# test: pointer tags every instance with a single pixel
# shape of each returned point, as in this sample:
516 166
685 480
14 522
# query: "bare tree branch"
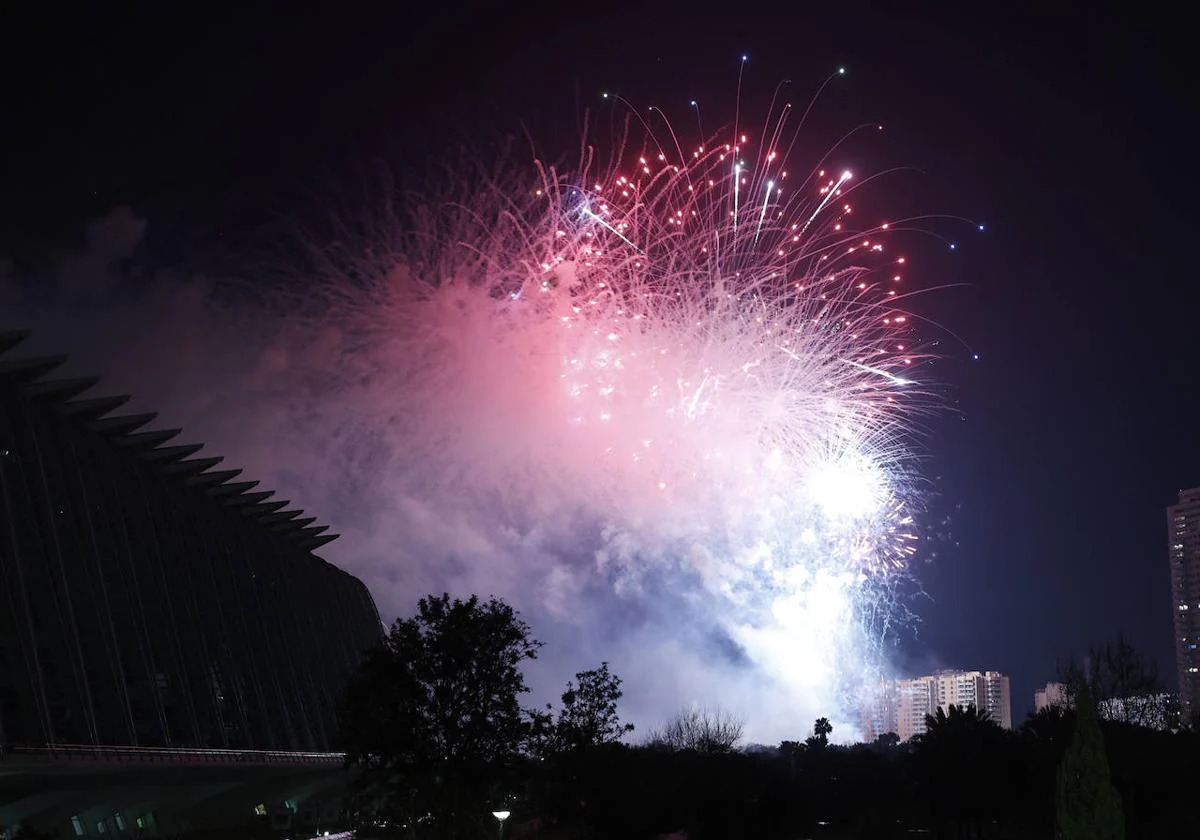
701 729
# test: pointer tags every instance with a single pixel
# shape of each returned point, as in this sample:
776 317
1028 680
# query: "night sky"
1071 136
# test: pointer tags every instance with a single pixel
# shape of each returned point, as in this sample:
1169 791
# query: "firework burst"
686 358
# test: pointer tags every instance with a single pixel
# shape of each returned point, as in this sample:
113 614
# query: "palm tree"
1051 725
957 719
821 732
961 750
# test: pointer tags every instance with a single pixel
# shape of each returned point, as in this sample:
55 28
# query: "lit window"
77 824
102 827
119 819
260 810
1182 607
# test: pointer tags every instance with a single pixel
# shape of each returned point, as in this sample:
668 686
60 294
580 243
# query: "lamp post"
501 816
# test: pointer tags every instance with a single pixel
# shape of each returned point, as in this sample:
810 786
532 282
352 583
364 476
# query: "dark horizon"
1062 446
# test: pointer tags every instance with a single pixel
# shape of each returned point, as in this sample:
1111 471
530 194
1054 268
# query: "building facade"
918 698
881 713
987 691
149 599
910 700
1154 711
1054 695
1183 540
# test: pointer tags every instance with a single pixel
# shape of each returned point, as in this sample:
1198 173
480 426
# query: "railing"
143 755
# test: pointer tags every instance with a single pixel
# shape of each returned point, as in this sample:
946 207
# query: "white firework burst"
687 359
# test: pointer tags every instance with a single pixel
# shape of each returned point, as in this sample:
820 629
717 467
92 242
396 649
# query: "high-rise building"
882 708
148 599
1183 539
997 698
1053 695
987 691
918 698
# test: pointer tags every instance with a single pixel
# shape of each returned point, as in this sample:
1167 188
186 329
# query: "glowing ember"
686 362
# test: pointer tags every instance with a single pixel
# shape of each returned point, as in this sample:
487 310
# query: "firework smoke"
662 401
684 365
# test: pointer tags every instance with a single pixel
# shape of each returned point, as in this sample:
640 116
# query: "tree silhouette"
1088 807
436 710
959 752
589 715
954 720
1122 684
885 741
702 730
574 749
1051 725
822 729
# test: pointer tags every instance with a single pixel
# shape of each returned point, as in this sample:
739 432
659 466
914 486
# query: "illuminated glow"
608 358
847 487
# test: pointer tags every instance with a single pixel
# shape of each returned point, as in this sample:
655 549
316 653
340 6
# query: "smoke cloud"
446 482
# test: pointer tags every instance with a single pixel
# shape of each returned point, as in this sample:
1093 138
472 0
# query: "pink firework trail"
692 361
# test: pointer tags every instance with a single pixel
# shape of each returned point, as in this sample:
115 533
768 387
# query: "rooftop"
128 431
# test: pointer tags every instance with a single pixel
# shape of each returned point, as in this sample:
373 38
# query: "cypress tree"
1088 806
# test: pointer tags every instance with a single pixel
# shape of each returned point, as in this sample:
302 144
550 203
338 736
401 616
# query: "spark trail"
610 359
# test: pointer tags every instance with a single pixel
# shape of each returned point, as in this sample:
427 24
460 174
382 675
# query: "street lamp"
501 816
